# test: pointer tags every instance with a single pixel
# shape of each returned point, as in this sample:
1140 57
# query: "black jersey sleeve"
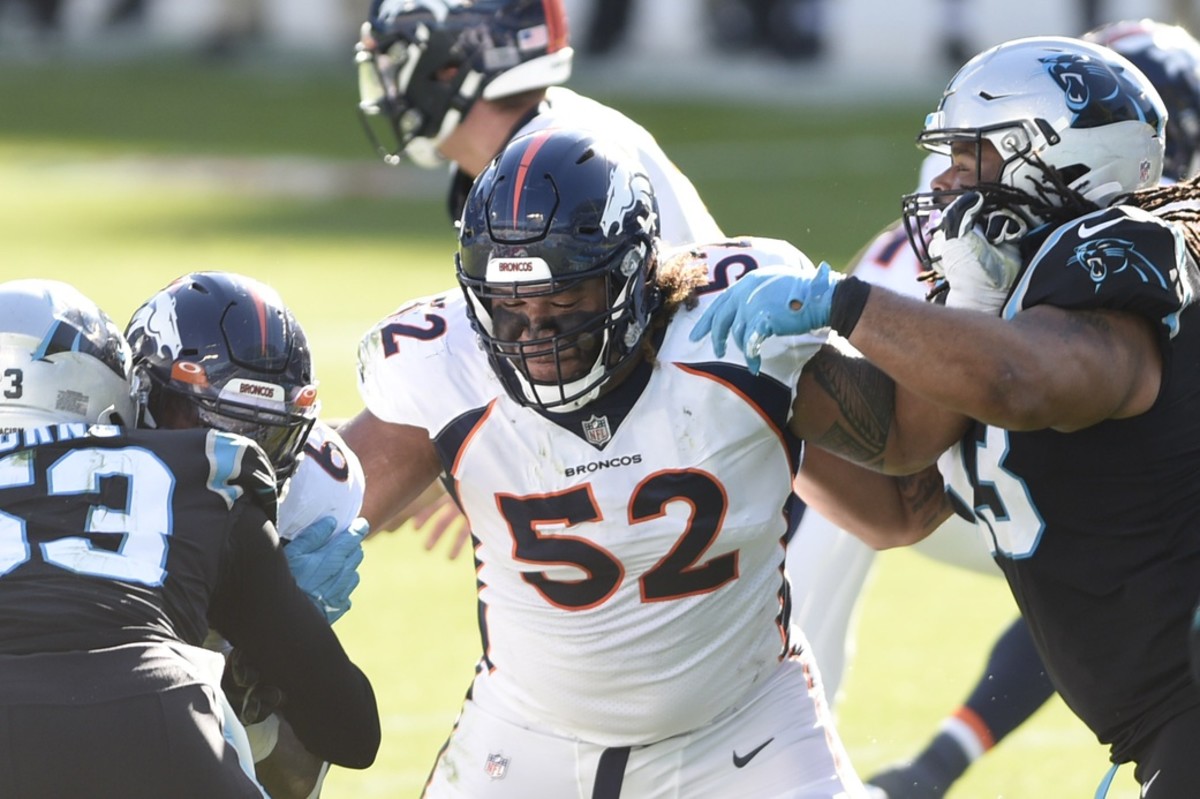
238 466
259 609
1119 258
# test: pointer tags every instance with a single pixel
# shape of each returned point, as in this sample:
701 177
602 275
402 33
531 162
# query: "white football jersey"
682 214
328 481
629 554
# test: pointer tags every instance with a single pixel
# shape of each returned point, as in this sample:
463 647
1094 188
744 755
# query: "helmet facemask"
413 94
607 339
422 64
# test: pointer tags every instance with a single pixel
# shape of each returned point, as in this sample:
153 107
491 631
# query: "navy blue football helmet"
557 209
1170 57
230 350
422 64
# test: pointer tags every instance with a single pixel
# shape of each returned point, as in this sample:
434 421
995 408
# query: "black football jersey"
111 536
1098 530
116 536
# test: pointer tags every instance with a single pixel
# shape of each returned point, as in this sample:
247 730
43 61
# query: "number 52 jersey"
630 553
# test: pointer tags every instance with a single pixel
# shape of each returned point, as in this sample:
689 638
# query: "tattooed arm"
870 450
882 510
847 406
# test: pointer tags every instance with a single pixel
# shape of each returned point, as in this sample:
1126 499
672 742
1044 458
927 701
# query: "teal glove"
325 563
774 301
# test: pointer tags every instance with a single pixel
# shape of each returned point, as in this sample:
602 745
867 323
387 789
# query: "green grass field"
120 177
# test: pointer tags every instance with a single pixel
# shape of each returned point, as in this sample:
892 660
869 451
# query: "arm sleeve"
260 610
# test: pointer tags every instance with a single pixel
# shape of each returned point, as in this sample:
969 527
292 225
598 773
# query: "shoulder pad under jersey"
1119 258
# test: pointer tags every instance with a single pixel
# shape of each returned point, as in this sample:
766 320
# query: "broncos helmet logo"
1097 93
624 197
158 322
1103 258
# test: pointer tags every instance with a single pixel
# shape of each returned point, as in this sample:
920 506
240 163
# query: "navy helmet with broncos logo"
225 349
554 210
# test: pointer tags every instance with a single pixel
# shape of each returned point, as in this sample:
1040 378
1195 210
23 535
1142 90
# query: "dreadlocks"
1178 203
1052 201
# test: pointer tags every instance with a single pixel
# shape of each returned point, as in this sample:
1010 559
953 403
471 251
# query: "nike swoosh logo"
1086 232
740 761
1146 785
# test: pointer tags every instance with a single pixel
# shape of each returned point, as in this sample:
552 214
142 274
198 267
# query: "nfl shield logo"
596 430
495 766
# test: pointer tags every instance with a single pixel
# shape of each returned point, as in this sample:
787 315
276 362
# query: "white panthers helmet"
1079 108
61 358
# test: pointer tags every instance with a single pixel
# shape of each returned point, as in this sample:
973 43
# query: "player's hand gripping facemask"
976 253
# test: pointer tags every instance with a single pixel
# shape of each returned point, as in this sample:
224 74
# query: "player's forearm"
846 405
884 511
1046 367
962 360
399 463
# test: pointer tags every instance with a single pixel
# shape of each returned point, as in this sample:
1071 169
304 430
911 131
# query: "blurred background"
142 139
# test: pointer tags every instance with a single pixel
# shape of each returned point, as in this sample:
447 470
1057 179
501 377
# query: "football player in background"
1008 691
1086 380
445 82
222 351
121 549
626 492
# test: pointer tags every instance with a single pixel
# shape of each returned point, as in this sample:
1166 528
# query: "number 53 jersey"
629 554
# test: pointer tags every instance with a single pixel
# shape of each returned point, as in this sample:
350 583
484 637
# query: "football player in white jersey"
451 82
626 491
221 350
476 75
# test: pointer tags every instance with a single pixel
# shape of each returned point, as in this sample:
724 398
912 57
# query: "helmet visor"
280 437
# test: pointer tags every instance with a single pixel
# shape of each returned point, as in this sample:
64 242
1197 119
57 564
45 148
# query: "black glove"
251 699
